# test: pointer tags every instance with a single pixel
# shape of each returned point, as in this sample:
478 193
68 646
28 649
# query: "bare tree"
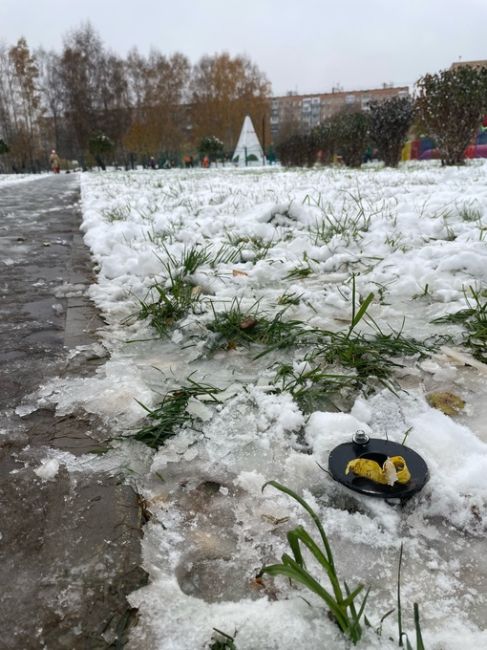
146 106
115 111
20 107
80 69
223 91
6 96
157 86
53 130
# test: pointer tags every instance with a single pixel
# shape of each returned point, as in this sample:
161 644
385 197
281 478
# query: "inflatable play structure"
425 148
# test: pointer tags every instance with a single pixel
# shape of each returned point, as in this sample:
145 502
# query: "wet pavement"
69 546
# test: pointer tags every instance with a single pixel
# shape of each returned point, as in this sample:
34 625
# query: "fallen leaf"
446 402
248 323
274 520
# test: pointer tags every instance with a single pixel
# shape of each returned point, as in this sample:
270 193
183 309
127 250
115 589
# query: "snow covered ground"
290 240
13 179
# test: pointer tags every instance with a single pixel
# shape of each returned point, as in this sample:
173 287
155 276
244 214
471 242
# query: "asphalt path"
69 547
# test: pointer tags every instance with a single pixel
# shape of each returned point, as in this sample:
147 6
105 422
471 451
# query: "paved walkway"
69 550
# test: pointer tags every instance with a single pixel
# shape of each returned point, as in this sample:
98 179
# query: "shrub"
100 146
296 150
449 108
324 140
350 132
212 147
345 133
389 122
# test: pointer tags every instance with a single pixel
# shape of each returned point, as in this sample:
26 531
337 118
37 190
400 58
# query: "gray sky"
303 45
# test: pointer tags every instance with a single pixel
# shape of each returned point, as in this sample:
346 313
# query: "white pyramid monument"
248 146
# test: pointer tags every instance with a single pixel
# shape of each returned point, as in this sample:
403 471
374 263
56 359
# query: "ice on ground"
48 469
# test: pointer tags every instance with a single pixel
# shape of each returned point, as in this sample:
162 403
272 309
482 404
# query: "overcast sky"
301 45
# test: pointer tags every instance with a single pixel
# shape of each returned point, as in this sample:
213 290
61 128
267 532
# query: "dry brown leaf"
446 402
248 323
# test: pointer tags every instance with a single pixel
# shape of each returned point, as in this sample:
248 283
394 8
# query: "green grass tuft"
172 303
313 387
474 320
258 246
350 224
237 327
117 213
291 298
369 355
226 254
341 601
469 212
175 294
171 413
299 273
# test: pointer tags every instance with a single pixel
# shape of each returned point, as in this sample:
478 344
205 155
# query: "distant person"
152 162
206 162
54 162
367 155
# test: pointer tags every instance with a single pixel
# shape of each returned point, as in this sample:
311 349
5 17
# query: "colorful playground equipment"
424 148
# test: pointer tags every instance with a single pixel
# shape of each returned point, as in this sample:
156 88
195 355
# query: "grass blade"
291 569
399 611
419 637
311 513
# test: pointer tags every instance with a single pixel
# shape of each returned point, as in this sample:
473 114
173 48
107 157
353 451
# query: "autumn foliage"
148 106
160 106
223 90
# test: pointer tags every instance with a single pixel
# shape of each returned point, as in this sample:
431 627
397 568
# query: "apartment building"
303 112
477 65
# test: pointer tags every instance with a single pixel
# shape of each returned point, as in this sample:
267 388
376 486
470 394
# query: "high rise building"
293 112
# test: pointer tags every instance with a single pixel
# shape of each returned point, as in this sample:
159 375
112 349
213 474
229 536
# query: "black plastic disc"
379 450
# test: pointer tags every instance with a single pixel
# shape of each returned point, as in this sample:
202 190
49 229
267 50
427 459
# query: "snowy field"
288 246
